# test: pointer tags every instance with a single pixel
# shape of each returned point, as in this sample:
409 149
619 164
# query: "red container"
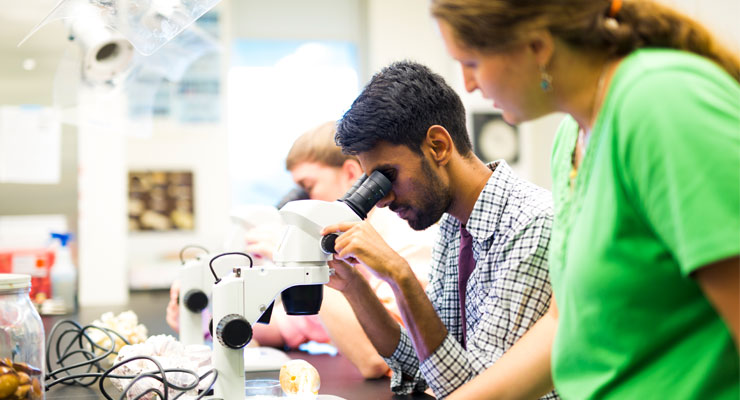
34 262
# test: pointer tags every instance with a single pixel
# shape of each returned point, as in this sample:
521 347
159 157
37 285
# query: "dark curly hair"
398 106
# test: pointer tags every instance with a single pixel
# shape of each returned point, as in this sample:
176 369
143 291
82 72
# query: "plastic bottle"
64 275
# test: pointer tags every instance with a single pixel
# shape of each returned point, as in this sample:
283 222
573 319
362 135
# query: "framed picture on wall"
160 201
494 139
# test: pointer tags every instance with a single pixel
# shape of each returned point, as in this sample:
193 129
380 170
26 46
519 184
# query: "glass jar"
21 341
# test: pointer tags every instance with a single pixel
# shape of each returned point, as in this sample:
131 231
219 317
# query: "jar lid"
14 281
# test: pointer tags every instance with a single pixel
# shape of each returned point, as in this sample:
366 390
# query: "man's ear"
439 144
352 169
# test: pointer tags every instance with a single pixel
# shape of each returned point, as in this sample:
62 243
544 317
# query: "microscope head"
302 243
243 297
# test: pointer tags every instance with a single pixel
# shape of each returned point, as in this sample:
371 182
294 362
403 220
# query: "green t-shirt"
657 197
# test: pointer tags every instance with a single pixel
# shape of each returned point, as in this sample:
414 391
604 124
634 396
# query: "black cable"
160 375
210 385
136 378
86 349
191 246
210 264
93 370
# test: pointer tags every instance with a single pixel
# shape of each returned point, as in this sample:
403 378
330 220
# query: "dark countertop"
338 376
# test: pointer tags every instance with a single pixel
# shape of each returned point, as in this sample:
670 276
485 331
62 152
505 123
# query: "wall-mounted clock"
494 139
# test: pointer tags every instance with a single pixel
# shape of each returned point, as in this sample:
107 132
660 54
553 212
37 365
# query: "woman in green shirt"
644 254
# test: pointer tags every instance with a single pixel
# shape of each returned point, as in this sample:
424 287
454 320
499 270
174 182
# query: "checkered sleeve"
447 368
523 289
404 364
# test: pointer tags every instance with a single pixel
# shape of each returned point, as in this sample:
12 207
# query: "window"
276 91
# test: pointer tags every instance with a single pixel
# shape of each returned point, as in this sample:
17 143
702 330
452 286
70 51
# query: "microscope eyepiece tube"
366 192
354 187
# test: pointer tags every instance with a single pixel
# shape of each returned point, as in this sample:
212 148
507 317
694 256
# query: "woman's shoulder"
668 87
656 60
650 74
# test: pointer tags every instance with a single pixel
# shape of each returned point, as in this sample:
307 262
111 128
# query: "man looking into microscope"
318 165
489 281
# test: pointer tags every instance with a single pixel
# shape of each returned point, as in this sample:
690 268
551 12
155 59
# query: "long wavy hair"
494 25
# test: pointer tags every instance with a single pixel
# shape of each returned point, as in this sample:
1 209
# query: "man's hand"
360 243
173 308
343 276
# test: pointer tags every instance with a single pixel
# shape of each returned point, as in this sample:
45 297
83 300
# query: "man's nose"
386 201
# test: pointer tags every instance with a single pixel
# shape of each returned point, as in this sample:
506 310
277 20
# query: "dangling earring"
545 80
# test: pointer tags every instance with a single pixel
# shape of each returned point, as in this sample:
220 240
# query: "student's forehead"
309 173
370 164
385 155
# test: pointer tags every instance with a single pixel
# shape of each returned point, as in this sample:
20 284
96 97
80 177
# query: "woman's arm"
269 335
172 315
349 337
524 370
720 282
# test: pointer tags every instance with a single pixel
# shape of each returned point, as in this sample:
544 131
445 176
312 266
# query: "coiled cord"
74 342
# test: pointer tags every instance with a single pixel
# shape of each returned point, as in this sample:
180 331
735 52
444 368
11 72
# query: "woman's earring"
545 80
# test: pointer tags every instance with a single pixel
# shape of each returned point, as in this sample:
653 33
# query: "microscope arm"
244 295
240 298
238 302
249 291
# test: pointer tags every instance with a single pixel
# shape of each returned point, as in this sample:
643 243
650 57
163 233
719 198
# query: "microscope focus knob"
195 300
327 243
234 331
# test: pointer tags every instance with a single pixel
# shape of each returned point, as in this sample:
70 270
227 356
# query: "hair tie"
614 8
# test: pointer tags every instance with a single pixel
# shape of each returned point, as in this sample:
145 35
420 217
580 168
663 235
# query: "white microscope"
196 280
241 298
195 290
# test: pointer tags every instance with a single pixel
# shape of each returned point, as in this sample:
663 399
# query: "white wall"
153 256
101 256
399 30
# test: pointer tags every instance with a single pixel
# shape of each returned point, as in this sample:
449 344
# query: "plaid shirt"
508 291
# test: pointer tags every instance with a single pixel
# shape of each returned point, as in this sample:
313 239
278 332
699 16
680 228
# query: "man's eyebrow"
382 167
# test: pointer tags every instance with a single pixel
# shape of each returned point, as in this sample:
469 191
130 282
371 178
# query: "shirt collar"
489 207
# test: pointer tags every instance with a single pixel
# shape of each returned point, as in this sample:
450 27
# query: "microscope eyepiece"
354 187
361 198
366 192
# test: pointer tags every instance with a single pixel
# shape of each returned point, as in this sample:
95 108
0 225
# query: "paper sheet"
30 145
